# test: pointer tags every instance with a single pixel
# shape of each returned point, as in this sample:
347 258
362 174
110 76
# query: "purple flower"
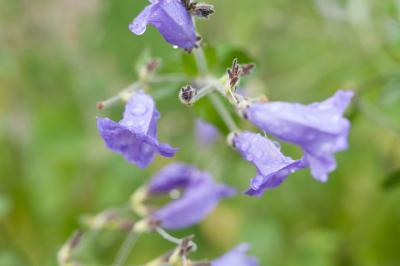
206 133
236 257
135 136
272 166
319 128
201 195
171 18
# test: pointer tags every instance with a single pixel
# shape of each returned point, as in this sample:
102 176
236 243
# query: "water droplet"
139 109
259 154
129 123
277 145
175 46
244 146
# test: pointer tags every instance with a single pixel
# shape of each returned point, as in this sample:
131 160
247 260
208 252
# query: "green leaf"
392 180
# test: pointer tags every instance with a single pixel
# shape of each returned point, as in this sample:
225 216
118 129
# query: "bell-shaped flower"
272 166
236 257
171 18
199 197
135 136
319 128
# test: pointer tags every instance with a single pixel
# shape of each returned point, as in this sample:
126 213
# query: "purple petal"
172 20
194 205
319 128
272 166
206 133
200 197
135 136
236 257
176 175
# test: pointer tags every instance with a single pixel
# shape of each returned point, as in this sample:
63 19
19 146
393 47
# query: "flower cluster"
319 129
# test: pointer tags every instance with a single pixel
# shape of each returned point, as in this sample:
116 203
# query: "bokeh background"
58 58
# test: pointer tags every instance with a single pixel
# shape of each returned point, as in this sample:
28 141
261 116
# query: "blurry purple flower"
206 133
176 175
319 128
201 195
236 257
135 136
272 166
171 18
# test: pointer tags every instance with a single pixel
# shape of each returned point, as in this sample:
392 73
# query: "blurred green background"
58 58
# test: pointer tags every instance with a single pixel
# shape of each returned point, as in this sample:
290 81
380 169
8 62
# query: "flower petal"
272 166
236 257
194 205
135 136
172 20
319 128
176 175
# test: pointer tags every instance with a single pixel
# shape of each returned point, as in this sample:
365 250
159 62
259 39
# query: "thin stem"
202 92
167 236
136 86
200 61
111 101
164 234
126 247
225 115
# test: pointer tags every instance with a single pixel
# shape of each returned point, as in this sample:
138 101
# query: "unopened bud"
186 94
201 10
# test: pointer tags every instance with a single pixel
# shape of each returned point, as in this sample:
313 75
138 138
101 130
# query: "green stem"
201 61
126 247
225 115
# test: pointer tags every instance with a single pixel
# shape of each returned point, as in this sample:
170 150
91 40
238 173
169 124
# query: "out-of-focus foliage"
58 58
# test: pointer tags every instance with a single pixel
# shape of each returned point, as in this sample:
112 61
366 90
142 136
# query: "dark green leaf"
392 180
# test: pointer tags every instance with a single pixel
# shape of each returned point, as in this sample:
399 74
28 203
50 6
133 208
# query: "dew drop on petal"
277 145
139 109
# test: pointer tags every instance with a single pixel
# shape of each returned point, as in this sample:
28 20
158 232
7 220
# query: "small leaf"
392 180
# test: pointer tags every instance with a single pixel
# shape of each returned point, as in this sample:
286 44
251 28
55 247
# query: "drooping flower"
206 133
171 18
135 136
200 196
236 257
319 128
272 166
